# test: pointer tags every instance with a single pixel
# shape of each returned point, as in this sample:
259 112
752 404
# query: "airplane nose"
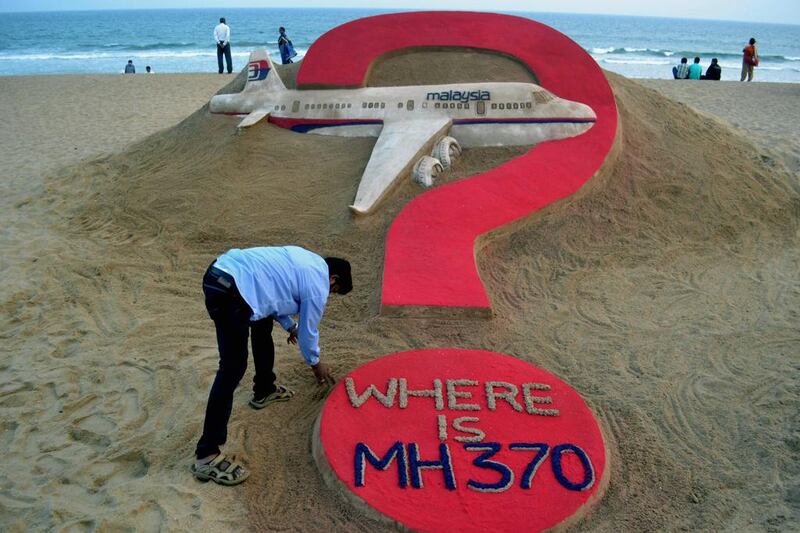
582 110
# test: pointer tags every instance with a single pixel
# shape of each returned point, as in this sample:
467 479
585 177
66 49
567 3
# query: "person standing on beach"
749 60
695 71
681 72
245 290
222 36
129 68
285 46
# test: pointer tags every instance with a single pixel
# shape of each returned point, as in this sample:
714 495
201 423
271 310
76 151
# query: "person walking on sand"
129 68
222 36
749 60
245 290
285 47
695 71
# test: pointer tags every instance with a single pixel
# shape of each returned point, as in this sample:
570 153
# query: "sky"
781 11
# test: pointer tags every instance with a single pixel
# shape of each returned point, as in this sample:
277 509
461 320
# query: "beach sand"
665 292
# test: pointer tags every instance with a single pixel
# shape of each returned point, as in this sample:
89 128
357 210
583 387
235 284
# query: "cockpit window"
542 96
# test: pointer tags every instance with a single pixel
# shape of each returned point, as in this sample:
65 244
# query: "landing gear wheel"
426 169
446 150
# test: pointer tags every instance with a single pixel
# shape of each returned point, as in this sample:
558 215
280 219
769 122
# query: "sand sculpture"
408 121
419 279
432 440
461 440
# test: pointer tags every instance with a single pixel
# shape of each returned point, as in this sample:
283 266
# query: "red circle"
564 481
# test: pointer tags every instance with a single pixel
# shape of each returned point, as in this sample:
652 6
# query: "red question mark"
430 260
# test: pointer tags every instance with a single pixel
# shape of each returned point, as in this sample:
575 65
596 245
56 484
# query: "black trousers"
231 316
226 50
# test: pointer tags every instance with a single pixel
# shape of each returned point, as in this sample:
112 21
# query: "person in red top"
749 60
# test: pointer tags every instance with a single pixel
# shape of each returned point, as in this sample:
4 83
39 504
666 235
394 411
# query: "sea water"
172 40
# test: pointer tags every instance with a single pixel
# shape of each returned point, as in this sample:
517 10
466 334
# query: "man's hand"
292 335
323 374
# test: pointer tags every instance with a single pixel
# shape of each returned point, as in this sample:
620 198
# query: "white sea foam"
148 54
635 61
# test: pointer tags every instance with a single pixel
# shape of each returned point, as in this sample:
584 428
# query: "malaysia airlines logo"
257 70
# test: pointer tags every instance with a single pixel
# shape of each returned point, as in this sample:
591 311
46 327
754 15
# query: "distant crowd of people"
685 71
222 38
131 69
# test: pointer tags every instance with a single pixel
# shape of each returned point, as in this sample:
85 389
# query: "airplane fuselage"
482 114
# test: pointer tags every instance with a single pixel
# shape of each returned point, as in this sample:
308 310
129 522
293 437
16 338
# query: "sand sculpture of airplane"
408 121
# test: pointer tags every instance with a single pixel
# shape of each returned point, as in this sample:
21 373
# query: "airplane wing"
399 146
252 118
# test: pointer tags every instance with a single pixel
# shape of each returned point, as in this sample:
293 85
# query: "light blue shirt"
695 71
281 282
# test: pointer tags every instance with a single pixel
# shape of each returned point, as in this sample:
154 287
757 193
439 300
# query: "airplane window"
400 105
383 105
459 106
453 105
371 105
516 105
528 105
437 105
283 107
295 106
307 106
410 105
425 105
494 106
363 104
502 106
480 108
277 107
466 106
337 106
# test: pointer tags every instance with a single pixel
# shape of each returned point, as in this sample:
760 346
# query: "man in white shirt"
222 36
245 290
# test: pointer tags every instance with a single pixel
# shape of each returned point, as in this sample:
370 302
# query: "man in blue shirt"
245 290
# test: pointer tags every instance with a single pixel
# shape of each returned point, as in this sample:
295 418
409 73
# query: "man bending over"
245 290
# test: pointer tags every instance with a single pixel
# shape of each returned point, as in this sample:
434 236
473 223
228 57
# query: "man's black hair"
752 40
714 61
696 59
341 268
684 60
222 20
281 29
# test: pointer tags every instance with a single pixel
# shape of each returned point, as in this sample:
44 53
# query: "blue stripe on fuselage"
305 128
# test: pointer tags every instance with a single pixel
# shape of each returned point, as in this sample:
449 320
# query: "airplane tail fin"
261 73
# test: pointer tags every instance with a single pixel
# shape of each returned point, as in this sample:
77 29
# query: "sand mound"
665 292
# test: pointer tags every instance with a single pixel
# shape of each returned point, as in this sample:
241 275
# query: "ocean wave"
656 52
634 61
732 65
151 46
119 55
